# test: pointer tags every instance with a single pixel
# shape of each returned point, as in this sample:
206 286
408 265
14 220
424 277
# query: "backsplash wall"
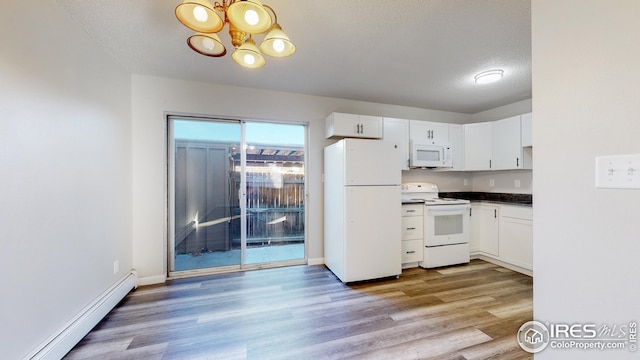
480 181
447 181
503 181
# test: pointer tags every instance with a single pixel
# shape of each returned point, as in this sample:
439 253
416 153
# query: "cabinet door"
525 123
516 242
353 125
475 228
371 127
477 146
506 148
456 139
397 131
485 226
429 132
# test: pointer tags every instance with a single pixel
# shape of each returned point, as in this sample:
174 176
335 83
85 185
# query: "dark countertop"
414 202
502 198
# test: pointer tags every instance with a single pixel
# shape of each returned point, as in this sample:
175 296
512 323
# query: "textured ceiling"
420 53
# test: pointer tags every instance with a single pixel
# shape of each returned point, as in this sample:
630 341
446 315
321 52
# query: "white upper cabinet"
506 146
427 132
341 125
456 139
495 145
525 122
397 131
478 146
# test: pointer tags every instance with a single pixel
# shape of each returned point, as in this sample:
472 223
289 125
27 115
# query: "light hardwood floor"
461 312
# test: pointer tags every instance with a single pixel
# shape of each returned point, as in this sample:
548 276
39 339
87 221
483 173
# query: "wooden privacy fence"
207 188
275 208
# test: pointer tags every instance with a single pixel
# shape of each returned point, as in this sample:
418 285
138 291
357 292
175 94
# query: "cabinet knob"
411 252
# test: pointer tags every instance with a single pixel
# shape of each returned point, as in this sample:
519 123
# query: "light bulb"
251 17
278 45
200 13
208 43
249 59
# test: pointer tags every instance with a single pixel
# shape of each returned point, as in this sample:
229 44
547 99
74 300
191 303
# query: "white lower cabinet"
502 233
412 251
412 233
516 236
484 229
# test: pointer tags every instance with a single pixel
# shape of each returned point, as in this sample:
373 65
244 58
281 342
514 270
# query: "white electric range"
446 225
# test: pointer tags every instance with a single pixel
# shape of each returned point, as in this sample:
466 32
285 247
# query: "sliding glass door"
236 194
275 192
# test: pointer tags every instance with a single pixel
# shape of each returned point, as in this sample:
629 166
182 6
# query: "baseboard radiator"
72 332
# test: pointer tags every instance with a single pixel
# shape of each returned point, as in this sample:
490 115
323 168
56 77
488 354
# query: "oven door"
446 224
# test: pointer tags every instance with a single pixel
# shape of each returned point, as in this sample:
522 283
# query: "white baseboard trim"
503 264
63 340
152 280
315 261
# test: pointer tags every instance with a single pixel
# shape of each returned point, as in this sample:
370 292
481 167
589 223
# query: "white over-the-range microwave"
429 155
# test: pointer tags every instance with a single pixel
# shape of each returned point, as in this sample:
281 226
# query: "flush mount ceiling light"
490 76
245 17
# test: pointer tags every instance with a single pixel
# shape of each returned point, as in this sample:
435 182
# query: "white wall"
65 173
585 101
502 112
153 96
503 181
479 181
446 180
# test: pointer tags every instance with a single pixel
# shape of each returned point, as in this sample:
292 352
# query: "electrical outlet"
116 266
492 183
466 182
516 184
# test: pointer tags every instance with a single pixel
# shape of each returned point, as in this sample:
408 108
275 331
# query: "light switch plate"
618 172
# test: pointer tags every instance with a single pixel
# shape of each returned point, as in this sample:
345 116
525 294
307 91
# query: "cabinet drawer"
411 251
412 210
412 227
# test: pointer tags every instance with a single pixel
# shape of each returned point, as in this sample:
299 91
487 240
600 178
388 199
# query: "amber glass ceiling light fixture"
245 18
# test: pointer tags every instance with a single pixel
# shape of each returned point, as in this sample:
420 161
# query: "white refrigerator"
362 209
